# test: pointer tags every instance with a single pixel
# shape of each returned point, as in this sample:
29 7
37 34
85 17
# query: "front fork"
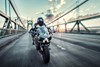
42 47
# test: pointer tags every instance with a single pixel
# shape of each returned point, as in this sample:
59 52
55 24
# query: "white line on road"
61 47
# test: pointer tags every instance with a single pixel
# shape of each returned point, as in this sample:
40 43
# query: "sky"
32 9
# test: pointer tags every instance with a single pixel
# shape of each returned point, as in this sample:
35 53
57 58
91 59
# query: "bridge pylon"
29 23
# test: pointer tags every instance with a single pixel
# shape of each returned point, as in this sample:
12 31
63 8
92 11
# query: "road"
67 50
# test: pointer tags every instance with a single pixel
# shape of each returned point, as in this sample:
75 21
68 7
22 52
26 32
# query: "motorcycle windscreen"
43 32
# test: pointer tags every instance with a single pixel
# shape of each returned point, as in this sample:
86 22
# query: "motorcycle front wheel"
46 54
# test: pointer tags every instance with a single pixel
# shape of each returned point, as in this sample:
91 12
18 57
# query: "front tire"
46 54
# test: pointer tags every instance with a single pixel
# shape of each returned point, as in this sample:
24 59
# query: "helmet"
40 21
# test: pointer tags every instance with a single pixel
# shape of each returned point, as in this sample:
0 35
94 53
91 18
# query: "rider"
40 23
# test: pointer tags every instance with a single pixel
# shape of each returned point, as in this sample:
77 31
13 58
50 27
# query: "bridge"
75 46
78 21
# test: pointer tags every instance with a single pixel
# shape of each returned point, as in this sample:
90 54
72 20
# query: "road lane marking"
61 47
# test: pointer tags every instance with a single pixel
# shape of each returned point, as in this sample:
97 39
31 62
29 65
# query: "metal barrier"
76 21
9 29
75 28
9 32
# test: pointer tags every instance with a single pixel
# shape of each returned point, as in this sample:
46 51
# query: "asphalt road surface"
67 50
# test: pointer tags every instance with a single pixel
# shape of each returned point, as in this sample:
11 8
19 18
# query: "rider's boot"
33 41
38 46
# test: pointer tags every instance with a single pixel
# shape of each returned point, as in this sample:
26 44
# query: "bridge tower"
7 24
29 23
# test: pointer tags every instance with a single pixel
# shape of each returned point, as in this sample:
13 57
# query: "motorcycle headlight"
45 40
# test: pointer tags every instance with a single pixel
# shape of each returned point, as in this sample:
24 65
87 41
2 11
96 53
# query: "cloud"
50 0
93 6
57 6
23 17
62 2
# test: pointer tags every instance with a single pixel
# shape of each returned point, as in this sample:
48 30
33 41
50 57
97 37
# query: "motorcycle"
42 43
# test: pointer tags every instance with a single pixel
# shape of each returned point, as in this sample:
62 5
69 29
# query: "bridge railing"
8 26
69 22
9 32
75 27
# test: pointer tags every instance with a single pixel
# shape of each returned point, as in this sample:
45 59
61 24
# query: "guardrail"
78 21
7 30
